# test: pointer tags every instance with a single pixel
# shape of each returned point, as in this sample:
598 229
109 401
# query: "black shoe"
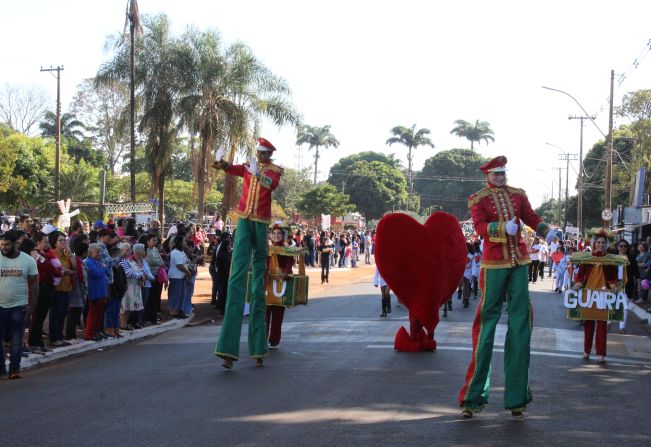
517 414
383 314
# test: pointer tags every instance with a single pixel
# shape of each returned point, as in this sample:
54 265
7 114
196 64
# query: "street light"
579 207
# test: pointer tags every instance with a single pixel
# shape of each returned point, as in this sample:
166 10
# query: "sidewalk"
82 346
642 311
204 312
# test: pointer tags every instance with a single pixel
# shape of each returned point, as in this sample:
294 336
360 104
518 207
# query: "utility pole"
579 206
559 195
57 158
609 157
566 158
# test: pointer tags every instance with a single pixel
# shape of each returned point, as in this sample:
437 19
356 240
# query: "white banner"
325 221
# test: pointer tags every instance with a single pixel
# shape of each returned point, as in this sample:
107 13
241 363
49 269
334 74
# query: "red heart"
422 264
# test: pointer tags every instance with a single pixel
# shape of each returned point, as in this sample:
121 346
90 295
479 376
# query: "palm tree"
158 77
316 137
412 138
69 126
478 132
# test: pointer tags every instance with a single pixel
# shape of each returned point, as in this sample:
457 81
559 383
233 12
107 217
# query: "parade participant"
384 290
283 270
561 262
496 213
597 271
260 178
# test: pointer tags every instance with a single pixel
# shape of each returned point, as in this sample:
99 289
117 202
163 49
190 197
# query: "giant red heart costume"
423 265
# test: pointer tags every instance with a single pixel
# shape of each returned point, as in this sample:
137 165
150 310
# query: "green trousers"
495 285
250 247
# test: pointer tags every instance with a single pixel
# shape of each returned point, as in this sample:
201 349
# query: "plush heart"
422 264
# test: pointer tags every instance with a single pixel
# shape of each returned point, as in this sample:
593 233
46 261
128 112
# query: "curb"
639 312
86 346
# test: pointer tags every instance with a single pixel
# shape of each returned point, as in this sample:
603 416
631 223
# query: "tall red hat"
497 164
265 145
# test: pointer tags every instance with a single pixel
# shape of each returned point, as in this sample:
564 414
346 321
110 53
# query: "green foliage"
316 137
375 187
339 171
292 185
435 187
412 138
548 211
324 199
478 132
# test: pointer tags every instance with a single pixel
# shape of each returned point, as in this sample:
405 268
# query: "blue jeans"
175 294
113 313
187 297
145 302
12 319
58 311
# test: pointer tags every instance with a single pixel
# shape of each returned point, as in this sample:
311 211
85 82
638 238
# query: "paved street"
334 380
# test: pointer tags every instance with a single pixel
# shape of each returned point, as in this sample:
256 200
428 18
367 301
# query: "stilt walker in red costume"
496 214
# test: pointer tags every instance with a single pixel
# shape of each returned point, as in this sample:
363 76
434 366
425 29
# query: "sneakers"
601 359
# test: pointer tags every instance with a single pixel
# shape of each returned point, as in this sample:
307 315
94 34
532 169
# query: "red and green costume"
250 248
503 273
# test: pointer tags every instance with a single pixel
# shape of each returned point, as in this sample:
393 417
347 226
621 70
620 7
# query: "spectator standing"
177 274
326 250
77 293
155 262
49 276
223 269
98 291
641 260
534 253
60 302
133 270
18 287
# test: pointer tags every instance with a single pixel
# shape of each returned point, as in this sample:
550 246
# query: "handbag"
161 276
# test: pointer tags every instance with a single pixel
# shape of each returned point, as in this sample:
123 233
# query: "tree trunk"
230 186
316 162
201 177
410 178
472 145
161 202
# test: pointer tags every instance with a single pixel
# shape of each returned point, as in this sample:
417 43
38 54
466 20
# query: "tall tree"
315 138
71 127
478 132
158 80
254 93
135 30
448 178
103 108
22 107
412 138
375 188
324 199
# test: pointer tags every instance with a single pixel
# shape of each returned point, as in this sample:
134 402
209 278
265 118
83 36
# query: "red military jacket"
491 208
255 202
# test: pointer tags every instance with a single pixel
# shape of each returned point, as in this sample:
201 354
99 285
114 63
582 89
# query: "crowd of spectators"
91 283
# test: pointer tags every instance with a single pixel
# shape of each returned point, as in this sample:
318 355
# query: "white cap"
48 228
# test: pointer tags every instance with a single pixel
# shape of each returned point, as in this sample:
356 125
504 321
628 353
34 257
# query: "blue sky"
366 66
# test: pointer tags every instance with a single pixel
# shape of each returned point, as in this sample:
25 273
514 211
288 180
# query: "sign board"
325 221
572 230
588 304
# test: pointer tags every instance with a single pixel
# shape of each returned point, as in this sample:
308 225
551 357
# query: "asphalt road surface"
334 381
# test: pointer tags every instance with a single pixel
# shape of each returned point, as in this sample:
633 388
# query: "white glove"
219 156
551 234
253 166
511 227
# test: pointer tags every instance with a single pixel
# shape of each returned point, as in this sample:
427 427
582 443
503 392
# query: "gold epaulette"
513 190
476 197
273 167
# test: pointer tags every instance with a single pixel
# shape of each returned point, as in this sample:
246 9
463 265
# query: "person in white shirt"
534 255
542 259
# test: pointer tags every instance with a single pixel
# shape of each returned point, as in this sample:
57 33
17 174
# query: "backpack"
120 284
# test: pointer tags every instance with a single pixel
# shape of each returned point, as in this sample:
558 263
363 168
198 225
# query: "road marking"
610 360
